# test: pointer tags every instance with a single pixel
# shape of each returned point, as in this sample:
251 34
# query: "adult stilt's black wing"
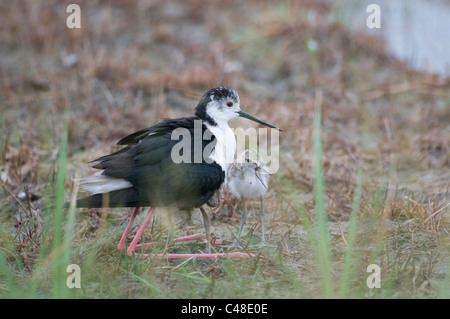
146 163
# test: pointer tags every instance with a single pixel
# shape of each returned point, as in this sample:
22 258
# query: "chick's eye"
230 104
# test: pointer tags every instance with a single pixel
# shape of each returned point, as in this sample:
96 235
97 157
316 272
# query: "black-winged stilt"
148 171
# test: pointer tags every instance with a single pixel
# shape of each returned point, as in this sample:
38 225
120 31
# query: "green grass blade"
8 284
323 237
348 264
60 261
152 287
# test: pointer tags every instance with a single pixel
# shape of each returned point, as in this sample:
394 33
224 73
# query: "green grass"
51 263
60 250
322 244
350 265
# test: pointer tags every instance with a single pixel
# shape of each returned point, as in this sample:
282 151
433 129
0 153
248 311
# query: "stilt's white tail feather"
99 183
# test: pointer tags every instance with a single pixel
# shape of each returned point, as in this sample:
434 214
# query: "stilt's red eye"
230 104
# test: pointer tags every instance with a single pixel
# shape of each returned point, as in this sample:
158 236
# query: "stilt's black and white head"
221 104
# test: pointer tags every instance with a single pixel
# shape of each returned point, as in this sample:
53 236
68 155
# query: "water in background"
415 31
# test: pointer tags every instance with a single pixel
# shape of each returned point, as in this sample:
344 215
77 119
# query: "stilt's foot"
216 241
262 244
234 245
237 244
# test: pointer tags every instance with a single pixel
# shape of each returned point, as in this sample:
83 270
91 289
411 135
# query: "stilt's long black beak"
248 116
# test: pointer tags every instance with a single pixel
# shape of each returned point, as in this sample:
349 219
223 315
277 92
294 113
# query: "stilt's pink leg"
140 231
121 245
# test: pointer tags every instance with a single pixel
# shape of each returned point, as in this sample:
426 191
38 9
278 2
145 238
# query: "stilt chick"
248 178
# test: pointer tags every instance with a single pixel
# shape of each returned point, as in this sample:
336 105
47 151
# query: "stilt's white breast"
225 149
